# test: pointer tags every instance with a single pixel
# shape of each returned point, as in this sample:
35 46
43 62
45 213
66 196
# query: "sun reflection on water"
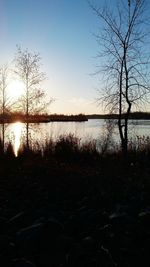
17 131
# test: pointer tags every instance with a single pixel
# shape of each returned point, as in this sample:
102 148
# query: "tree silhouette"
27 68
5 101
125 60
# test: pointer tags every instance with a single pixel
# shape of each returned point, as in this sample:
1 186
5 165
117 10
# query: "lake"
88 130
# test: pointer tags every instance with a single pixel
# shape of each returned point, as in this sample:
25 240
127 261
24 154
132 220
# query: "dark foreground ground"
84 211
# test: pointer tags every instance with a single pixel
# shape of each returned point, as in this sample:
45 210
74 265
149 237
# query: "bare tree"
125 58
5 100
27 68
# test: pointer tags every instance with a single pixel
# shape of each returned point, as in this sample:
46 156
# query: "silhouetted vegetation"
37 118
69 202
18 116
138 115
27 69
6 103
66 199
124 61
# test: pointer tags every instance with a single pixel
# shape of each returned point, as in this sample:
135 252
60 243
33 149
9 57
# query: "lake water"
89 130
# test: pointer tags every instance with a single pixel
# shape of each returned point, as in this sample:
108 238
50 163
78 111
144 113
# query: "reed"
70 146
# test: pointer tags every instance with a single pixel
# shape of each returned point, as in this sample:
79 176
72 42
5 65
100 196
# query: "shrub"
67 145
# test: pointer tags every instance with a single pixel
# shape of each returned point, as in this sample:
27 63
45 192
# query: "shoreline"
42 118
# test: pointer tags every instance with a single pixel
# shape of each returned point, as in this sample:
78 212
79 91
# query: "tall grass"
70 146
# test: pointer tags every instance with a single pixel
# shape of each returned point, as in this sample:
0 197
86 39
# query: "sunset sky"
62 31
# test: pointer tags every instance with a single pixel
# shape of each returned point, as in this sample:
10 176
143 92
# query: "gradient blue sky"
62 31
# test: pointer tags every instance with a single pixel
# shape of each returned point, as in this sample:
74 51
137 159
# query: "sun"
16 88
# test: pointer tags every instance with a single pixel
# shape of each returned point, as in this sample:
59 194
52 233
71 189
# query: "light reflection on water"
17 129
39 133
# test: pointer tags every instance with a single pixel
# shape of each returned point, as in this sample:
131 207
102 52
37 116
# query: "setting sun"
16 88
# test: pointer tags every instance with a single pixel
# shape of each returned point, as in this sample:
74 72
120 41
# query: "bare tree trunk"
120 125
27 96
3 136
126 97
27 115
27 135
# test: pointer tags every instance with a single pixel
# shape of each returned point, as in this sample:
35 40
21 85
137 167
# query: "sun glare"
16 88
17 130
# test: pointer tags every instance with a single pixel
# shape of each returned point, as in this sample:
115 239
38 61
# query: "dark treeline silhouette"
139 115
17 116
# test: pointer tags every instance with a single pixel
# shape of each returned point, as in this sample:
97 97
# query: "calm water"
92 129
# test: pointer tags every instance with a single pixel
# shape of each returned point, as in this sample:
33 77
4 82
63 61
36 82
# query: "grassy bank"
68 205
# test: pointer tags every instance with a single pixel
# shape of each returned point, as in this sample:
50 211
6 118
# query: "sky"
62 31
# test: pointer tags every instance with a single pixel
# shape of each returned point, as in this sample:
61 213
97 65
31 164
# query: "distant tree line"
139 115
36 118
